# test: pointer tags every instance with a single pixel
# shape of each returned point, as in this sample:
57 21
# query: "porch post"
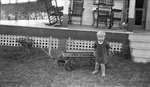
131 15
0 9
132 8
65 13
16 12
148 16
125 11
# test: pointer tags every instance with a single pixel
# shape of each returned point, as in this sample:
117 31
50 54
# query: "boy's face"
100 39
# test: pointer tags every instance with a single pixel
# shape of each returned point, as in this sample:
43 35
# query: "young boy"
101 53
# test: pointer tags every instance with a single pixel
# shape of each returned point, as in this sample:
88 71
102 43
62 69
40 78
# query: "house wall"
88 6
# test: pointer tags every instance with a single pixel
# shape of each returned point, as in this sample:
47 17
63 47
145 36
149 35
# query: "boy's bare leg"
96 70
103 70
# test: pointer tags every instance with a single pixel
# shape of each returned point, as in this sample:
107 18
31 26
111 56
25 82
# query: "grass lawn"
21 69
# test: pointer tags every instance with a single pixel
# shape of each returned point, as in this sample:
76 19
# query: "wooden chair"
54 12
103 17
76 10
117 16
104 9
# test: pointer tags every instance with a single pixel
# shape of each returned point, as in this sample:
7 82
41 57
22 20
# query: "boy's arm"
107 48
107 45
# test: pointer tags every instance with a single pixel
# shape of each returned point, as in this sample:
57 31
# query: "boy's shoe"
95 72
103 75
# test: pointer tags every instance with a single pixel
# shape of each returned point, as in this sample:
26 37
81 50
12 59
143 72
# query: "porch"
76 27
38 70
139 40
79 33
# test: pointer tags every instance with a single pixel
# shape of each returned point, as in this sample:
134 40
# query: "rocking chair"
54 12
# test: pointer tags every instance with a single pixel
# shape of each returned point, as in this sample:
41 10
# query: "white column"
87 13
132 9
66 6
65 12
148 16
0 9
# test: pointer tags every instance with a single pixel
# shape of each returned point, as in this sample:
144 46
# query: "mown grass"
35 69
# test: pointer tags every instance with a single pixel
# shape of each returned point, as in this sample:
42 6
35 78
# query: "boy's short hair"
100 33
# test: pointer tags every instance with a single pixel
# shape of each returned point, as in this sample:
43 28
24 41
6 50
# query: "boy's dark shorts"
103 59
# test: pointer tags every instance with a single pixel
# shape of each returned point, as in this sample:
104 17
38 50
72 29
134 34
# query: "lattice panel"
9 40
80 45
39 42
42 42
115 47
54 43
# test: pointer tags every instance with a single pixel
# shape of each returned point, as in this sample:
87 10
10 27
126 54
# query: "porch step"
140 37
141 60
141 53
140 47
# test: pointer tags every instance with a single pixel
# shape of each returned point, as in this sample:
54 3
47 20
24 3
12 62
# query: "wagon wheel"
60 62
68 65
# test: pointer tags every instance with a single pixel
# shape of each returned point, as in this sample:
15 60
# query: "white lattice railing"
53 43
39 42
87 46
115 47
79 45
42 42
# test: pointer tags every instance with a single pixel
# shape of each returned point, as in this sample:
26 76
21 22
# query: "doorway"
140 14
